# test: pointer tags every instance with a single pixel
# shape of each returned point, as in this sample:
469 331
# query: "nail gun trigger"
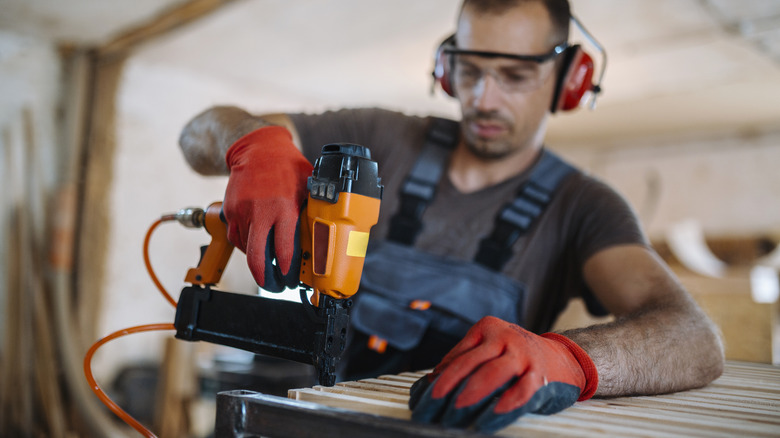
311 312
203 250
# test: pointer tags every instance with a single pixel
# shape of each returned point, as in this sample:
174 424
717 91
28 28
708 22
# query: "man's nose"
487 94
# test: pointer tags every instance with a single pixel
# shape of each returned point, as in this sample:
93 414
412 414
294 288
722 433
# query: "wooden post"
176 390
93 174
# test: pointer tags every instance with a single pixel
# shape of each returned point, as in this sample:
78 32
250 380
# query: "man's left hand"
499 372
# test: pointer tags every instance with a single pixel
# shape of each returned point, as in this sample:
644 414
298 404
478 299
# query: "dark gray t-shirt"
584 217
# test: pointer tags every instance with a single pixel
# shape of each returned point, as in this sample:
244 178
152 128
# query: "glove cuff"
586 363
265 135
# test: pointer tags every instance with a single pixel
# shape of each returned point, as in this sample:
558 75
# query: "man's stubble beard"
483 151
488 150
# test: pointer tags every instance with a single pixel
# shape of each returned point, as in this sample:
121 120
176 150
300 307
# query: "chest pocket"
405 292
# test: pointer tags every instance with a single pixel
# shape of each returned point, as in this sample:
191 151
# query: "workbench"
744 401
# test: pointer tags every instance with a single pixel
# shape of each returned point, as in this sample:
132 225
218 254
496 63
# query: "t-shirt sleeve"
607 220
598 217
375 128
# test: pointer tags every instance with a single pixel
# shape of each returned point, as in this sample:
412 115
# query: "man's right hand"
263 200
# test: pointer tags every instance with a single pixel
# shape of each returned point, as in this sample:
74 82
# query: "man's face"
496 122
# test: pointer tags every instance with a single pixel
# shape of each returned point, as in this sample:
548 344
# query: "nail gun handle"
215 257
335 237
345 193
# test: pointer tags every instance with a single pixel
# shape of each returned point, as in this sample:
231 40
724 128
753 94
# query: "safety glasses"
518 74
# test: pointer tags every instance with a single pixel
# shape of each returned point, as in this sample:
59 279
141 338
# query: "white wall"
728 182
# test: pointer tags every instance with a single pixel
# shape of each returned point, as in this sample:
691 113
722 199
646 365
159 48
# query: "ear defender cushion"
443 64
575 80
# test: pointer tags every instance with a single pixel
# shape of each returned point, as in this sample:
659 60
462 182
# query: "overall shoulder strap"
419 187
517 217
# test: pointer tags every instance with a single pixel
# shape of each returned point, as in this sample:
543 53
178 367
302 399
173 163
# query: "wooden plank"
376 395
355 402
686 410
675 420
16 400
386 381
401 378
372 385
46 369
583 424
745 401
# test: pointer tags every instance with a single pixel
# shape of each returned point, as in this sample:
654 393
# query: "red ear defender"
575 80
441 68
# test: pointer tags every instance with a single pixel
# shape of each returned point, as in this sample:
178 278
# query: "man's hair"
559 11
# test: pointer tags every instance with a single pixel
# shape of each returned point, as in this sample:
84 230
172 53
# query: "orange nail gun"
343 204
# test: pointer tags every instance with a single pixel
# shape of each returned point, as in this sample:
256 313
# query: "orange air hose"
148 237
96 388
137 329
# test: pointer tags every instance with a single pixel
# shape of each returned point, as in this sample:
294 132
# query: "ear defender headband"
574 81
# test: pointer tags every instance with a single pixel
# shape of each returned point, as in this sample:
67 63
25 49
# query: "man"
586 242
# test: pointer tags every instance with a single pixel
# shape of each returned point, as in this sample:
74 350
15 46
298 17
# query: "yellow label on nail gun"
357 244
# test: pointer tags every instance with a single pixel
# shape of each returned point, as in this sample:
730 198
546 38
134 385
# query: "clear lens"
512 75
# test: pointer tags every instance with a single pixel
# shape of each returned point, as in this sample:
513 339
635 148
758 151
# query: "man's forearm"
207 137
661 349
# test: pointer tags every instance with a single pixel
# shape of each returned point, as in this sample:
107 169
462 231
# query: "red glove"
499 372
263 200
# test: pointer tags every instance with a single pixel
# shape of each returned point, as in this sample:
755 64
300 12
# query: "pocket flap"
401 327
464 289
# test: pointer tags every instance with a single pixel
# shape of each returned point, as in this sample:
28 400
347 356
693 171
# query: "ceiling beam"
169 20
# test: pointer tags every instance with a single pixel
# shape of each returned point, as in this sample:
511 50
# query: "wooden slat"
377 395
356 402
745 401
